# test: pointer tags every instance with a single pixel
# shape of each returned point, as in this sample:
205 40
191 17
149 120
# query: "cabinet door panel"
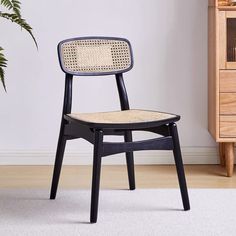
227 81
227 40
227 126
227 103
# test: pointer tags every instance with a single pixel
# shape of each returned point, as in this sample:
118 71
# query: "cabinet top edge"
222 7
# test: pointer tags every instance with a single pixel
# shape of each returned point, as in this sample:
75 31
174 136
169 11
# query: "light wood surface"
228 81
231 14
227 126
222 154
213 2
221 5
230 65
227 118
222 40
213 84
227 8
227 103
229 158
115 177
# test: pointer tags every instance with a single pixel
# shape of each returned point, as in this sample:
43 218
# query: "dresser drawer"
227 126
227 81
228 103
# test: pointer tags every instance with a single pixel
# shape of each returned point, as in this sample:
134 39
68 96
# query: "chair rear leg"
97 156
179 166
130 162
58 162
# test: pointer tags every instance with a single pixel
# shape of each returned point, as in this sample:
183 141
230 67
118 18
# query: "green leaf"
7 4
3 63
16 7
14 14
12 5
20 21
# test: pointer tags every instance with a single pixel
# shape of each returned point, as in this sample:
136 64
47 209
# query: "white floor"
121 212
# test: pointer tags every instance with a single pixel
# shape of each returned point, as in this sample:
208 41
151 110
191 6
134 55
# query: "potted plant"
13 13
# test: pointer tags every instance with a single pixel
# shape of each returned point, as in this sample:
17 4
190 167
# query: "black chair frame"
93 133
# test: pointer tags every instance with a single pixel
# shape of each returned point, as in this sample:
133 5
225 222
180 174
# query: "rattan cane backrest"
95 56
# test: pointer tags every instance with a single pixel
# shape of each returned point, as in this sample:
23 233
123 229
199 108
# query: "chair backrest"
95 56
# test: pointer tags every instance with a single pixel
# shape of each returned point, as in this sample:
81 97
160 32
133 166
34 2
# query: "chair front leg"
58 161
97 156
130 162
179 166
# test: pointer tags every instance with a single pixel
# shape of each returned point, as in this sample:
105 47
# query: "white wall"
169 41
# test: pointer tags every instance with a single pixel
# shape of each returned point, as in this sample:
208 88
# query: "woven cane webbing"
81 56
122 117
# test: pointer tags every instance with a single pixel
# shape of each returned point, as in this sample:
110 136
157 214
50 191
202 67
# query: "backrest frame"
101 73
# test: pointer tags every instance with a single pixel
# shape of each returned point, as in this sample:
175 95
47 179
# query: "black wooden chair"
97 56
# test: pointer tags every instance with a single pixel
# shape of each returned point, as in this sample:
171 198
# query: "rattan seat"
122 118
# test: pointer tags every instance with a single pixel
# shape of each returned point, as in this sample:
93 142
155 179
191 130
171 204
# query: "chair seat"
122 118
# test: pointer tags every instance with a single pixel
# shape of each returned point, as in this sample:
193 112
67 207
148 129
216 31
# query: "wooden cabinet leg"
229 158
222 154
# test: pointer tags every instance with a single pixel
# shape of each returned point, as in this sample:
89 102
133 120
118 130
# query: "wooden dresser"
222 79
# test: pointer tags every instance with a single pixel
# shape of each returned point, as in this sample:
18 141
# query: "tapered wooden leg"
222 153
130 162
58 162
97 156
229 158
179 167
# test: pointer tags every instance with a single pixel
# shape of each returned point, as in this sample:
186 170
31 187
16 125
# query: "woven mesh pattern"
95 56
122 117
